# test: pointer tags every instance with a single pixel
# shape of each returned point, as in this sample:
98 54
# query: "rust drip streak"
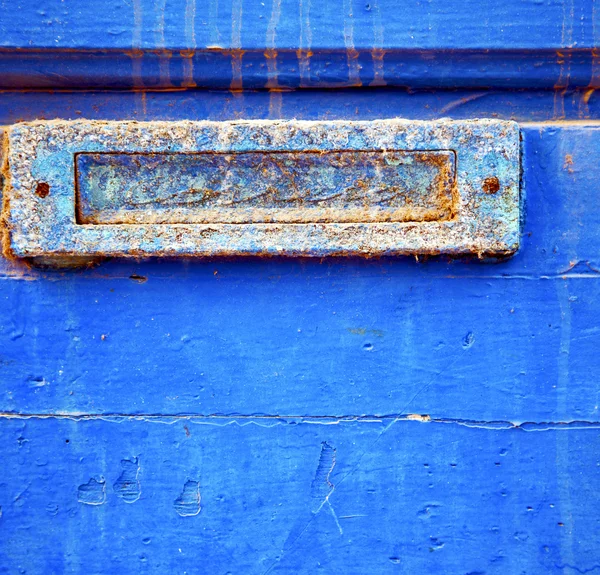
236 70
378 53
188 69
564 60
378 77
236 52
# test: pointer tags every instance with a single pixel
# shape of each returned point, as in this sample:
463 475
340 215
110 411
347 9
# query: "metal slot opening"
341 186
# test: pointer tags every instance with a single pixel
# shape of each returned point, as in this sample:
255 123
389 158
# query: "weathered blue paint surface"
278 70
286 44
467 343
446 411
230 24
117 495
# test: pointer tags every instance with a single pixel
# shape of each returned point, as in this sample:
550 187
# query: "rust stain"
564 60
272 78
4 186
42 189
568 165
308 186
236 70
587 95
188 68
377 56
584 110
560 87
491 185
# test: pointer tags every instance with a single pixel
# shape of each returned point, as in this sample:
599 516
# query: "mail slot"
262 187
265 187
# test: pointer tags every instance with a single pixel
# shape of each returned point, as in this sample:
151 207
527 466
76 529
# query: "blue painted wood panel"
287 24
302 339
292 416
510 341
157 495
279 70
286 44
573 105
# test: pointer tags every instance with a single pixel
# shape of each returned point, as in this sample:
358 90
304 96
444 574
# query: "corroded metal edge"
4 185
43 224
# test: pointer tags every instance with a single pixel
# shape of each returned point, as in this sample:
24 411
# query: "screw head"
491 185
42 189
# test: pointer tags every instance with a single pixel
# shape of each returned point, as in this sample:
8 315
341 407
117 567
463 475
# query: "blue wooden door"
310 415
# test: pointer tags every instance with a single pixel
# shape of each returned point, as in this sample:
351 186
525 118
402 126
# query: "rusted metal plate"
261 187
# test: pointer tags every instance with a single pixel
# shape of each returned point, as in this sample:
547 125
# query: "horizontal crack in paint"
324 420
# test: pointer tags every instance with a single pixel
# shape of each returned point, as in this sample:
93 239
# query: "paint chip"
188 503
128 486
321 486
93 492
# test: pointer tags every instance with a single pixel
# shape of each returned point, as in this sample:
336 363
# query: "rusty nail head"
491 185
42 189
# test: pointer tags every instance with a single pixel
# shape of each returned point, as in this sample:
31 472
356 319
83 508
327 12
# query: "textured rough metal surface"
40 199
